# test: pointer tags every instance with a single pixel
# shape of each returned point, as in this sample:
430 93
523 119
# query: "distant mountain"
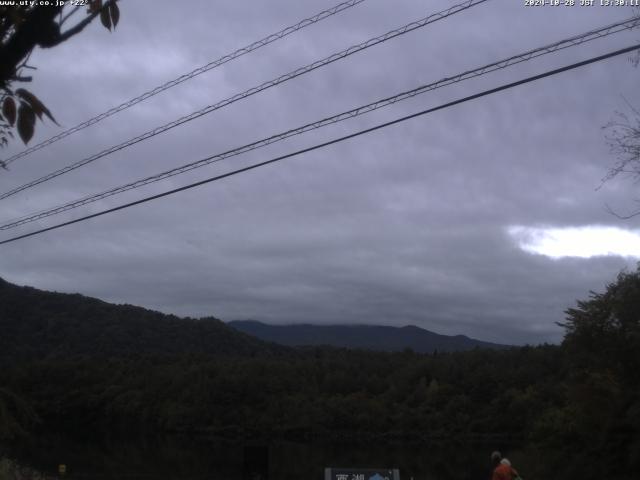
38 325
368 337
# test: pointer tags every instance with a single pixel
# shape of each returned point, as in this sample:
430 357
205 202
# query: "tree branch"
81 25
66 17
621 217
38 27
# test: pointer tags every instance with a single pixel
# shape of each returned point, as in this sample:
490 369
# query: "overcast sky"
412 224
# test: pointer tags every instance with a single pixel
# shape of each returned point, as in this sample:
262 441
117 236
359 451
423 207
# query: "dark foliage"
23 27
601 418
575 407
39 325
320 393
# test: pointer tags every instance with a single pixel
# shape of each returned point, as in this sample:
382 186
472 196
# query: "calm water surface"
182 458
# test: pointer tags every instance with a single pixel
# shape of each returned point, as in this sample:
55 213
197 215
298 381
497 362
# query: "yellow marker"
62 469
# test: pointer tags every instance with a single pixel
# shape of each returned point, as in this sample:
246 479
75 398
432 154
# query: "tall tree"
603 342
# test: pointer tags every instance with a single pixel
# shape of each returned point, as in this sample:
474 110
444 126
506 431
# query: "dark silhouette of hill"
39 325
367 337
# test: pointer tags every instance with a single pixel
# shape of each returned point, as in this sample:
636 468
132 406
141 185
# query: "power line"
188 76
334 141
501 64
252 91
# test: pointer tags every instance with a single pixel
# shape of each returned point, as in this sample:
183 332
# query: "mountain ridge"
41 325
361 336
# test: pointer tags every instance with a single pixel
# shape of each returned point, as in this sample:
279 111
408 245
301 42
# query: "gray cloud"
406 225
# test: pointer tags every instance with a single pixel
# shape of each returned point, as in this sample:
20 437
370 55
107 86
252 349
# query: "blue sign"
361 474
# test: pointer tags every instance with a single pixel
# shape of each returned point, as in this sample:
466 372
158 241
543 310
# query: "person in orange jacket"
502 469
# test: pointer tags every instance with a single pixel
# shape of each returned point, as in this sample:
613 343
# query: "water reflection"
182 458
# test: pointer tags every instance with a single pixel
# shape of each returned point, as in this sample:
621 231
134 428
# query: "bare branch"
23 64
623 138
621 217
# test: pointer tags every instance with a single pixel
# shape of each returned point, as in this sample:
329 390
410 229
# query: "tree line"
577 405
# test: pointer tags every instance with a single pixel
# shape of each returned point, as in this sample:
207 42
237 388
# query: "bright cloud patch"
582 242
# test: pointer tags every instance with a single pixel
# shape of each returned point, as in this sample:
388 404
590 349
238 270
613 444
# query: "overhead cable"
252 91
188 76
501 64
331 142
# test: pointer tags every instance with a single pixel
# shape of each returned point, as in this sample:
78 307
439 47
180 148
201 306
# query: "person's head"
495 458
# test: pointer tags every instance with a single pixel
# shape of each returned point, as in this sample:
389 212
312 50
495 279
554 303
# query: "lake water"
182 458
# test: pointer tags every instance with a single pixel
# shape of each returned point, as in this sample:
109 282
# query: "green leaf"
9 110
26 122
115 14
105 18
37 106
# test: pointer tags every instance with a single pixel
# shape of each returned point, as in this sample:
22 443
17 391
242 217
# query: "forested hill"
575 405
38 325
367 337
